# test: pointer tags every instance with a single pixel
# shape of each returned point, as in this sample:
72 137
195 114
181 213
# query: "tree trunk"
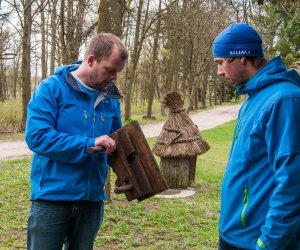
110 20
111 16
204 93
2 98
53 37
26 74
188 67
133 63
171 80
77 34
43 35
194 92
63 49
71 29
16 75
153 79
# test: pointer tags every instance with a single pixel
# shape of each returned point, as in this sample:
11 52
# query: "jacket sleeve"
283 137
41 135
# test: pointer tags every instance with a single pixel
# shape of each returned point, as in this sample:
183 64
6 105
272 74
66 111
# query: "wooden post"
175 171
192 169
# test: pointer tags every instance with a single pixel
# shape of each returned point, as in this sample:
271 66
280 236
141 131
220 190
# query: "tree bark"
72 33
2 97
25 68
53 36
153 79
43 41
133 62
16 74
110 20
111 16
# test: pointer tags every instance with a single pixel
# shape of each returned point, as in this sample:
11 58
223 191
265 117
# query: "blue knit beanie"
238 40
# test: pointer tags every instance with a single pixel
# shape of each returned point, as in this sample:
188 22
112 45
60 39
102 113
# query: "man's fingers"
107 142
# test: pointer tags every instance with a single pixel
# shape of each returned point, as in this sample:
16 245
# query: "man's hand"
107 143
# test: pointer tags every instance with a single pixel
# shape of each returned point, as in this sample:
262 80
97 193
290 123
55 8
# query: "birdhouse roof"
179 137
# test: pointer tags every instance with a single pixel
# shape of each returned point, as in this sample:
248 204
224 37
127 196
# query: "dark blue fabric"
238 40
74 224
223 245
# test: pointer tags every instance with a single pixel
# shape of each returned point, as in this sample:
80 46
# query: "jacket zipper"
246 198
240 119
237 133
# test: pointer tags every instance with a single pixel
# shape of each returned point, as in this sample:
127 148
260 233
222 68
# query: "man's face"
234 71
105 71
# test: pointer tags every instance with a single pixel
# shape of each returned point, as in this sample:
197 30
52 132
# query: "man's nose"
220 72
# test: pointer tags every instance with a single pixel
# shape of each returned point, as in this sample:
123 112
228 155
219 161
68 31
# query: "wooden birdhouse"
178 144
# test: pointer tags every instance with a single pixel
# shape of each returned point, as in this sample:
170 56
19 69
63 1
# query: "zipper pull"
246 195
94 117
85 115
237 134
243 214
102 118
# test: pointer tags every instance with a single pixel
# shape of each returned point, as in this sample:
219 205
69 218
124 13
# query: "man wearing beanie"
260 194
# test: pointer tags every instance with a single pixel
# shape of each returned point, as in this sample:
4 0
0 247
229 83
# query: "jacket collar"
267 75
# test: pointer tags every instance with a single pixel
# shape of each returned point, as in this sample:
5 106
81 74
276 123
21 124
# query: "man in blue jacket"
260 194
68 113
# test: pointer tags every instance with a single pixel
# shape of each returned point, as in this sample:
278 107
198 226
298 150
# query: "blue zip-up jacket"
62 123
260 195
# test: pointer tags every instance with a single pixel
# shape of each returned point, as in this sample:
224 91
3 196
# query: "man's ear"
243 60
91 60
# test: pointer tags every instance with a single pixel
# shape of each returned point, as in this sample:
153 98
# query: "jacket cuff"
260 244
90 143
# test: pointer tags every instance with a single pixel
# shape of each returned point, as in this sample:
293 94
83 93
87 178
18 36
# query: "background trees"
169 43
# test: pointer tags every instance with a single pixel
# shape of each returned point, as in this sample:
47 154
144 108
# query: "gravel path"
204 120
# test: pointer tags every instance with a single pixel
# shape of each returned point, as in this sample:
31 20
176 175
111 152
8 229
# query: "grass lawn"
156 223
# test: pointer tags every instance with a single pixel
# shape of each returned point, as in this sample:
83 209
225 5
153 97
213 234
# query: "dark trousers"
72 224
223 245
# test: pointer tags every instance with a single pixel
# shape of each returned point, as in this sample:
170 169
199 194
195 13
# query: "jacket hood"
111 91
274 71
64 69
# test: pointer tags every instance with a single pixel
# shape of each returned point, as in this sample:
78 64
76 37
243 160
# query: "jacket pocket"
44 172
245 205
